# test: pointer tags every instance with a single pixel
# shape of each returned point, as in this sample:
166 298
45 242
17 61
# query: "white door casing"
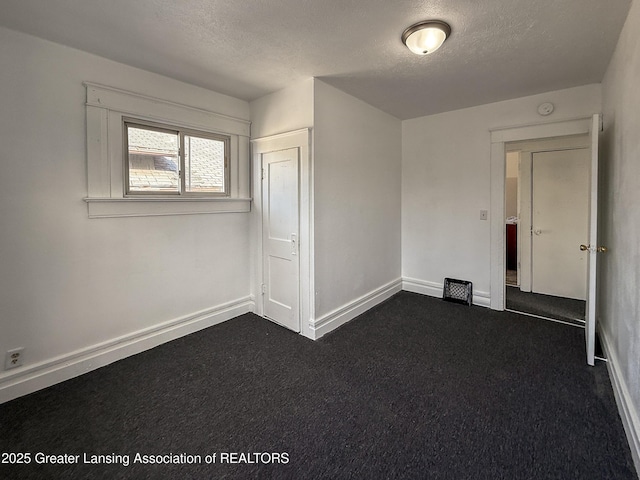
280 226
560 210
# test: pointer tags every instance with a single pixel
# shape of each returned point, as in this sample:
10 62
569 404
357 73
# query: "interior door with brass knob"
592 262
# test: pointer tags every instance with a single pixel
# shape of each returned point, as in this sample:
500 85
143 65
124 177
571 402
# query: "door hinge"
263 174
264 289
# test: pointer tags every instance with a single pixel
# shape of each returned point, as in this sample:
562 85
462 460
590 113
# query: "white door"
280 237
560 222
592 249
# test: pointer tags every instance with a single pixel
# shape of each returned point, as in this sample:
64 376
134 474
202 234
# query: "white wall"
283 111
357 164
619 307
69 283
446 182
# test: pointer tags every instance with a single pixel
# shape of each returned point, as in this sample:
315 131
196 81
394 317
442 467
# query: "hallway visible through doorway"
546 217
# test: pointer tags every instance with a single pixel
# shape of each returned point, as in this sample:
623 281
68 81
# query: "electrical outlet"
483 214
13 358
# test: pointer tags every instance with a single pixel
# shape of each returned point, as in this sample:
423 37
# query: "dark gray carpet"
559 308
414 388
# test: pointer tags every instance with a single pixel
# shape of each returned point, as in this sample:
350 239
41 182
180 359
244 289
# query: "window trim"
181 132
106 107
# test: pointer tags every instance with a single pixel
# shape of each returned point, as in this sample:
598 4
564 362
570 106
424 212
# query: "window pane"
153 160
204 164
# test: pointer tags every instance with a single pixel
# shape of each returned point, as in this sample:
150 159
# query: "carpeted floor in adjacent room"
559 308
414 388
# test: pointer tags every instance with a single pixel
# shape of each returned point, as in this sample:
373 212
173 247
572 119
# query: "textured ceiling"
499 49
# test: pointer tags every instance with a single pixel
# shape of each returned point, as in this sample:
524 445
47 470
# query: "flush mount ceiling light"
426 37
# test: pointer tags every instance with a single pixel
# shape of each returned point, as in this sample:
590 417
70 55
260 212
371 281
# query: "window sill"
145 207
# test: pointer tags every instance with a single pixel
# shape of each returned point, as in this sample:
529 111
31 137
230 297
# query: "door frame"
499 138
300 139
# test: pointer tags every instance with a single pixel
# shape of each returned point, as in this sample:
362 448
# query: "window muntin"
161 160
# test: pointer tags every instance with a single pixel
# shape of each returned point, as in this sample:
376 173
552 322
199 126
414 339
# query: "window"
149 156
167 161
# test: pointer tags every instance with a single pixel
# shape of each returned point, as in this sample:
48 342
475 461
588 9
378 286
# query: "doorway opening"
546 219
502 137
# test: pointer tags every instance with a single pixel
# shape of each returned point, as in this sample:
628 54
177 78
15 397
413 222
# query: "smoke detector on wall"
545 109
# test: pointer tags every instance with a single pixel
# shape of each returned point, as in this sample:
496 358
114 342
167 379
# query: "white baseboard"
628 412
349 311
28 379
434 289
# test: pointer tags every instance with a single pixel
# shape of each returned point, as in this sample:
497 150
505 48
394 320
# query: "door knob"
600 249
537 232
